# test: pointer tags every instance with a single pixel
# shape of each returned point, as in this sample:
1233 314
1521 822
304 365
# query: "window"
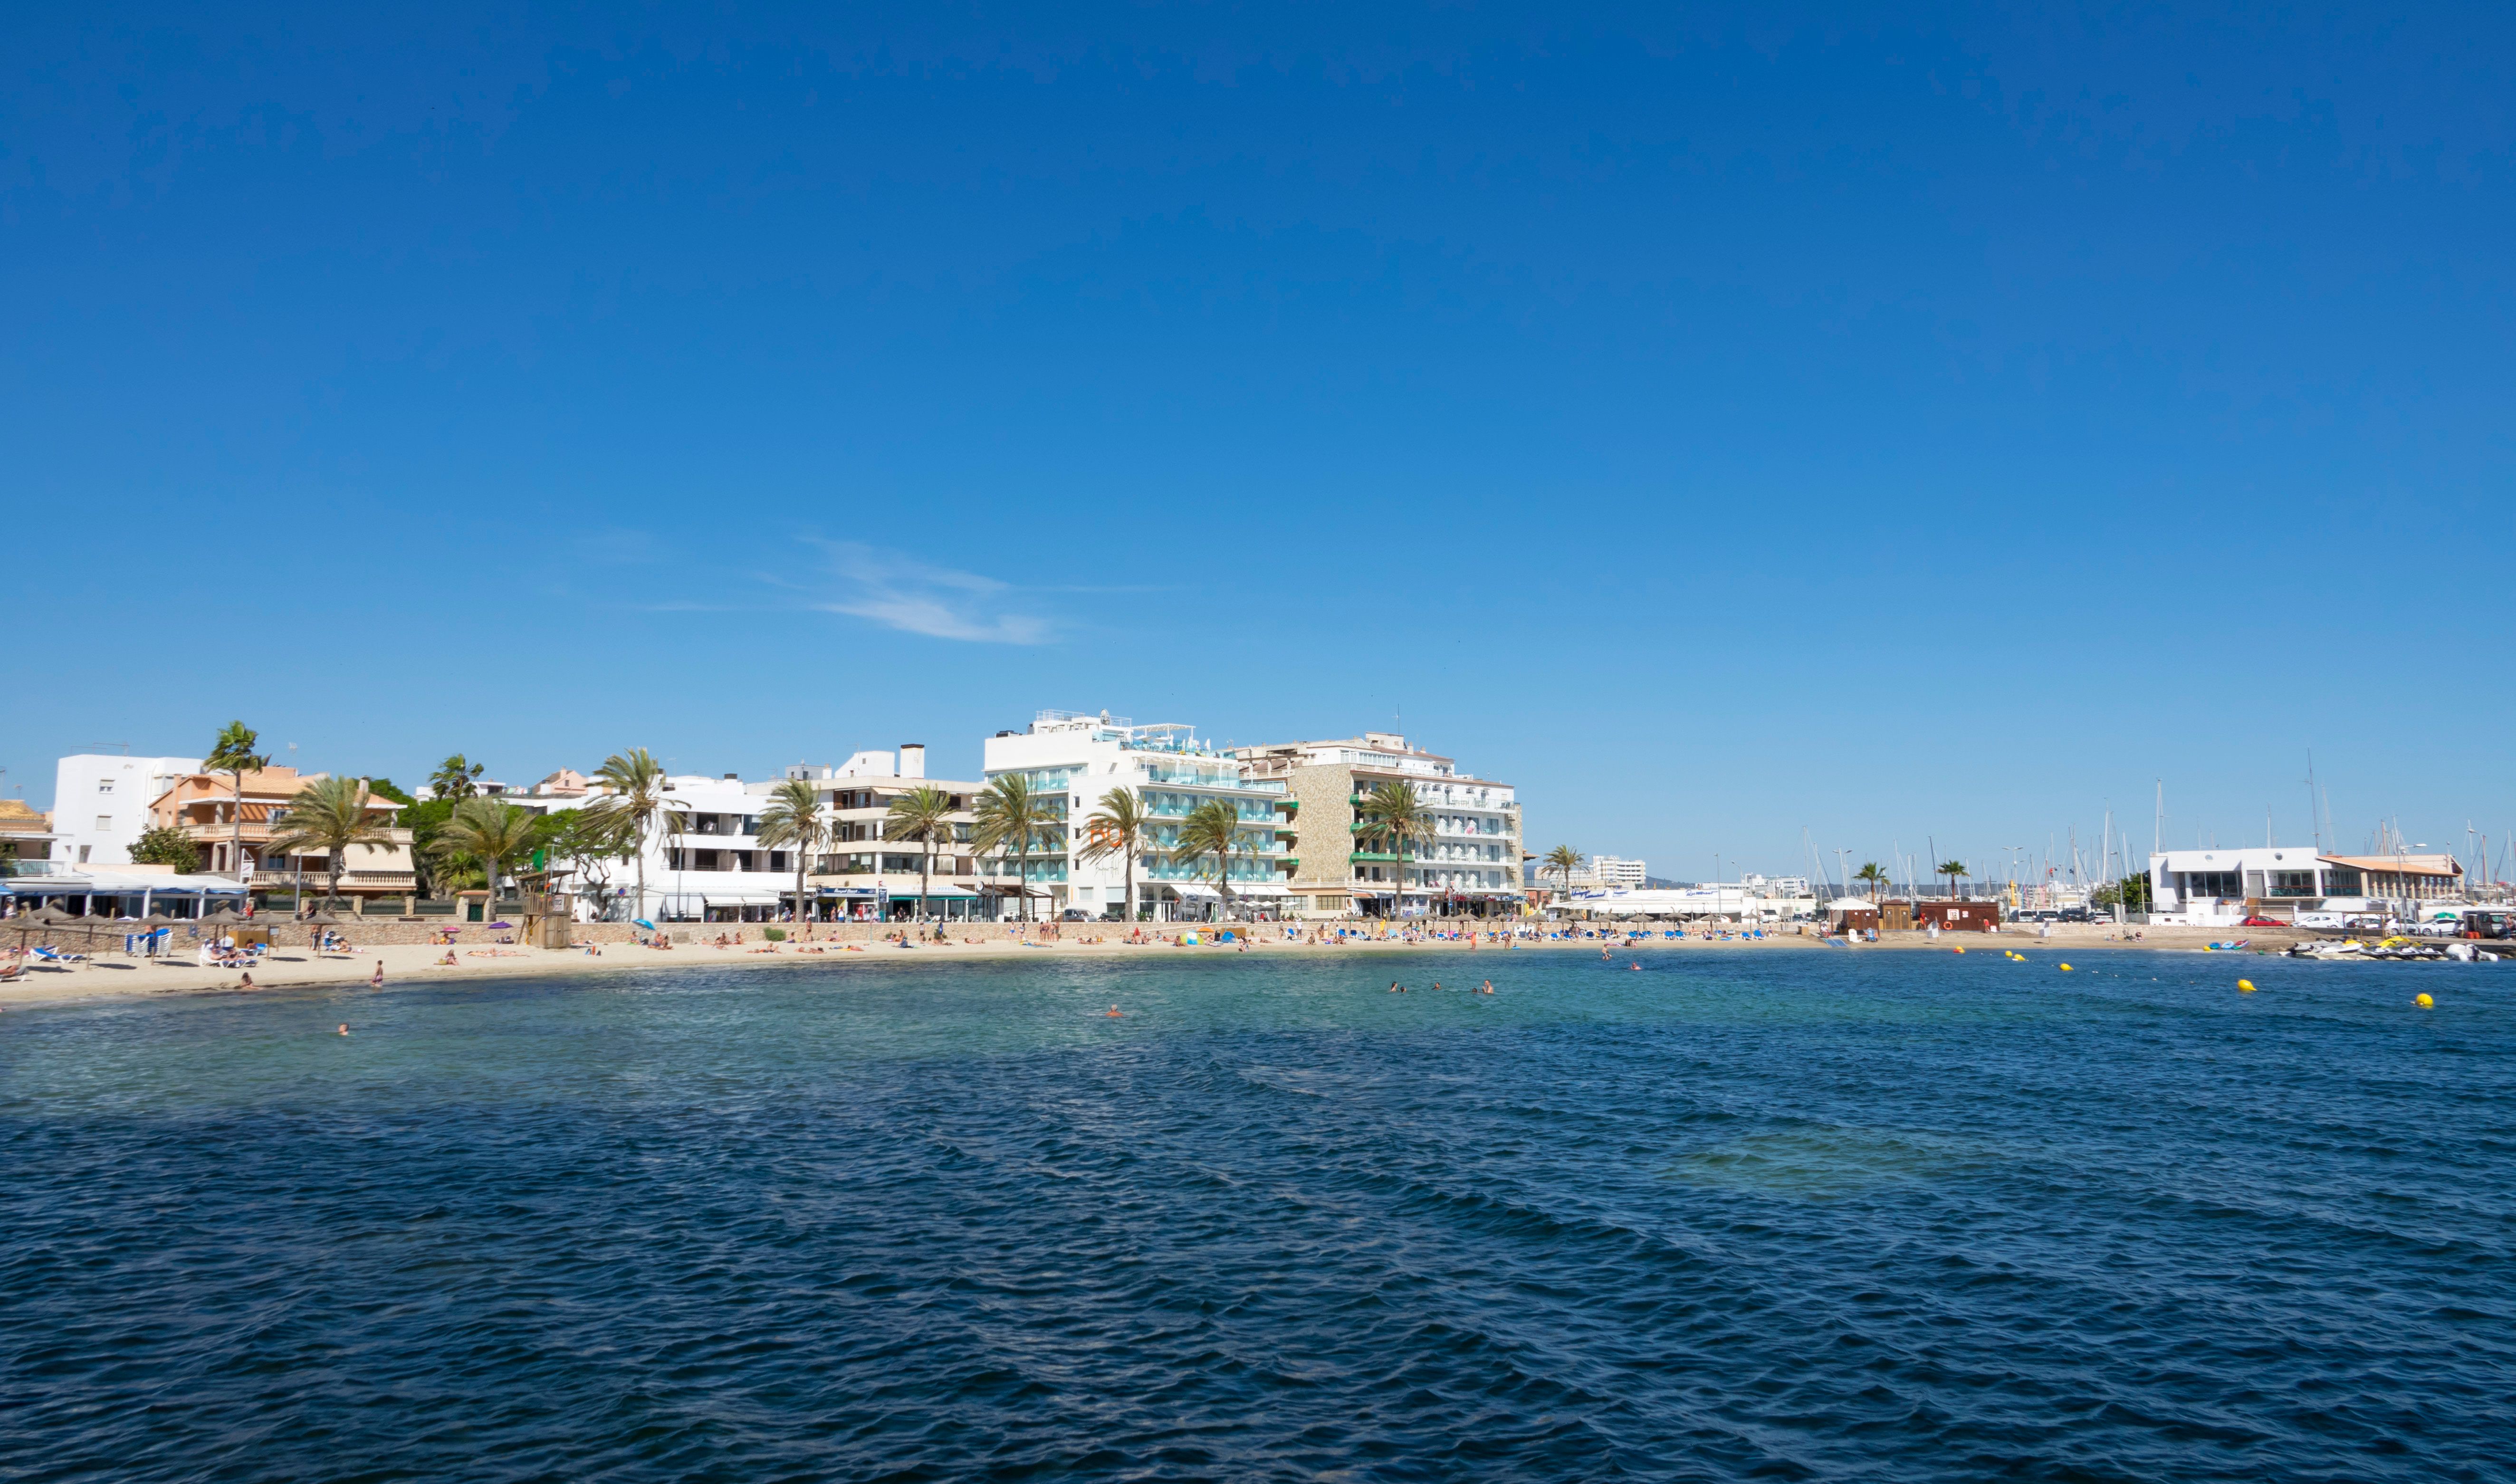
2212 884
105 785
105 822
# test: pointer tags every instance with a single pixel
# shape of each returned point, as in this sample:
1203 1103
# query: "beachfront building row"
703 860
715 867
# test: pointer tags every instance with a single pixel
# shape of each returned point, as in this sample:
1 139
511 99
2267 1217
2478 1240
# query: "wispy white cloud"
900 592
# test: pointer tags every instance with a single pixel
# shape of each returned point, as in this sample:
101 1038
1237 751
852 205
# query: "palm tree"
1119 827
233 754
1563 860
1396 819
637 798
1872 875
454 778
492 833
793 818
922 814
1010 819
330 815
1213 831
1955 871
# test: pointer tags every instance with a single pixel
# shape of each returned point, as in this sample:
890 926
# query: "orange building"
207 808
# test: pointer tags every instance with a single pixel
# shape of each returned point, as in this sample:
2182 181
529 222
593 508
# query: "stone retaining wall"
381 930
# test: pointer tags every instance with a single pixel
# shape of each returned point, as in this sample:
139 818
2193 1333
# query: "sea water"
1775 1215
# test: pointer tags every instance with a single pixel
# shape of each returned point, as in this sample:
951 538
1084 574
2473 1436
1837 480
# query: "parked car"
1074 914
2258 920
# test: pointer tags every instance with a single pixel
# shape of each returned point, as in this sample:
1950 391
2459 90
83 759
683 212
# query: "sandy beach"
109 975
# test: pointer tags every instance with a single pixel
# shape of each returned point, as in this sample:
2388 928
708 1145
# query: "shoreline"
113 978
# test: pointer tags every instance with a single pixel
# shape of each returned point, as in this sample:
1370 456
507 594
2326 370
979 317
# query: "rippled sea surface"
1778 1215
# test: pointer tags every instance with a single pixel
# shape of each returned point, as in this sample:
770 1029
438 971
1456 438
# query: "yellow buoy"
2244 986
2425 1002
1962 951
2066 968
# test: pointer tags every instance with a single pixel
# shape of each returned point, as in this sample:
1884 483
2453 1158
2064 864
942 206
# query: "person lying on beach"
448 961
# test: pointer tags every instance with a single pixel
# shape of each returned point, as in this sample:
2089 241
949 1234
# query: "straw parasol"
41 920
90 922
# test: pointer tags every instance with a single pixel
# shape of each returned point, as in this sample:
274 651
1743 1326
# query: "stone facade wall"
1325 826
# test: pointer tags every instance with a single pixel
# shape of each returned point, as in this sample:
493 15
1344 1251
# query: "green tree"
1955 871
159 845
637 786
383 788
490 833
1872 875
330 815
1564 859
424 820
1011 820
1120 828
455 778
1395 818
2132 892
793 820
1212 833
233 754
591 844
922 814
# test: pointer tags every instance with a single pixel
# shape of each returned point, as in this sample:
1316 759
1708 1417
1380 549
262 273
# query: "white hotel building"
101 803
1073 760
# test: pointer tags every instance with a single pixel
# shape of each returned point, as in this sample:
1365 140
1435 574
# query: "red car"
2262 922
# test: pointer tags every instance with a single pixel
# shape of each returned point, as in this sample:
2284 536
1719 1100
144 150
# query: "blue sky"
1925 430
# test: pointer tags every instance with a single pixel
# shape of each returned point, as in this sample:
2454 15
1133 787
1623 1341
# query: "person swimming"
1488 989
1113 1013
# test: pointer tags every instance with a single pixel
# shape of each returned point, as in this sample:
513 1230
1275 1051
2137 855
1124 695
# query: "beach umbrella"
641 922
41 920
88 923
501 924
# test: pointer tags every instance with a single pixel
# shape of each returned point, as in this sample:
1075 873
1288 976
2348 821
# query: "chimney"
913 759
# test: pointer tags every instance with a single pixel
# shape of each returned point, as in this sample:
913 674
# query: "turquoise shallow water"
1772 1215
